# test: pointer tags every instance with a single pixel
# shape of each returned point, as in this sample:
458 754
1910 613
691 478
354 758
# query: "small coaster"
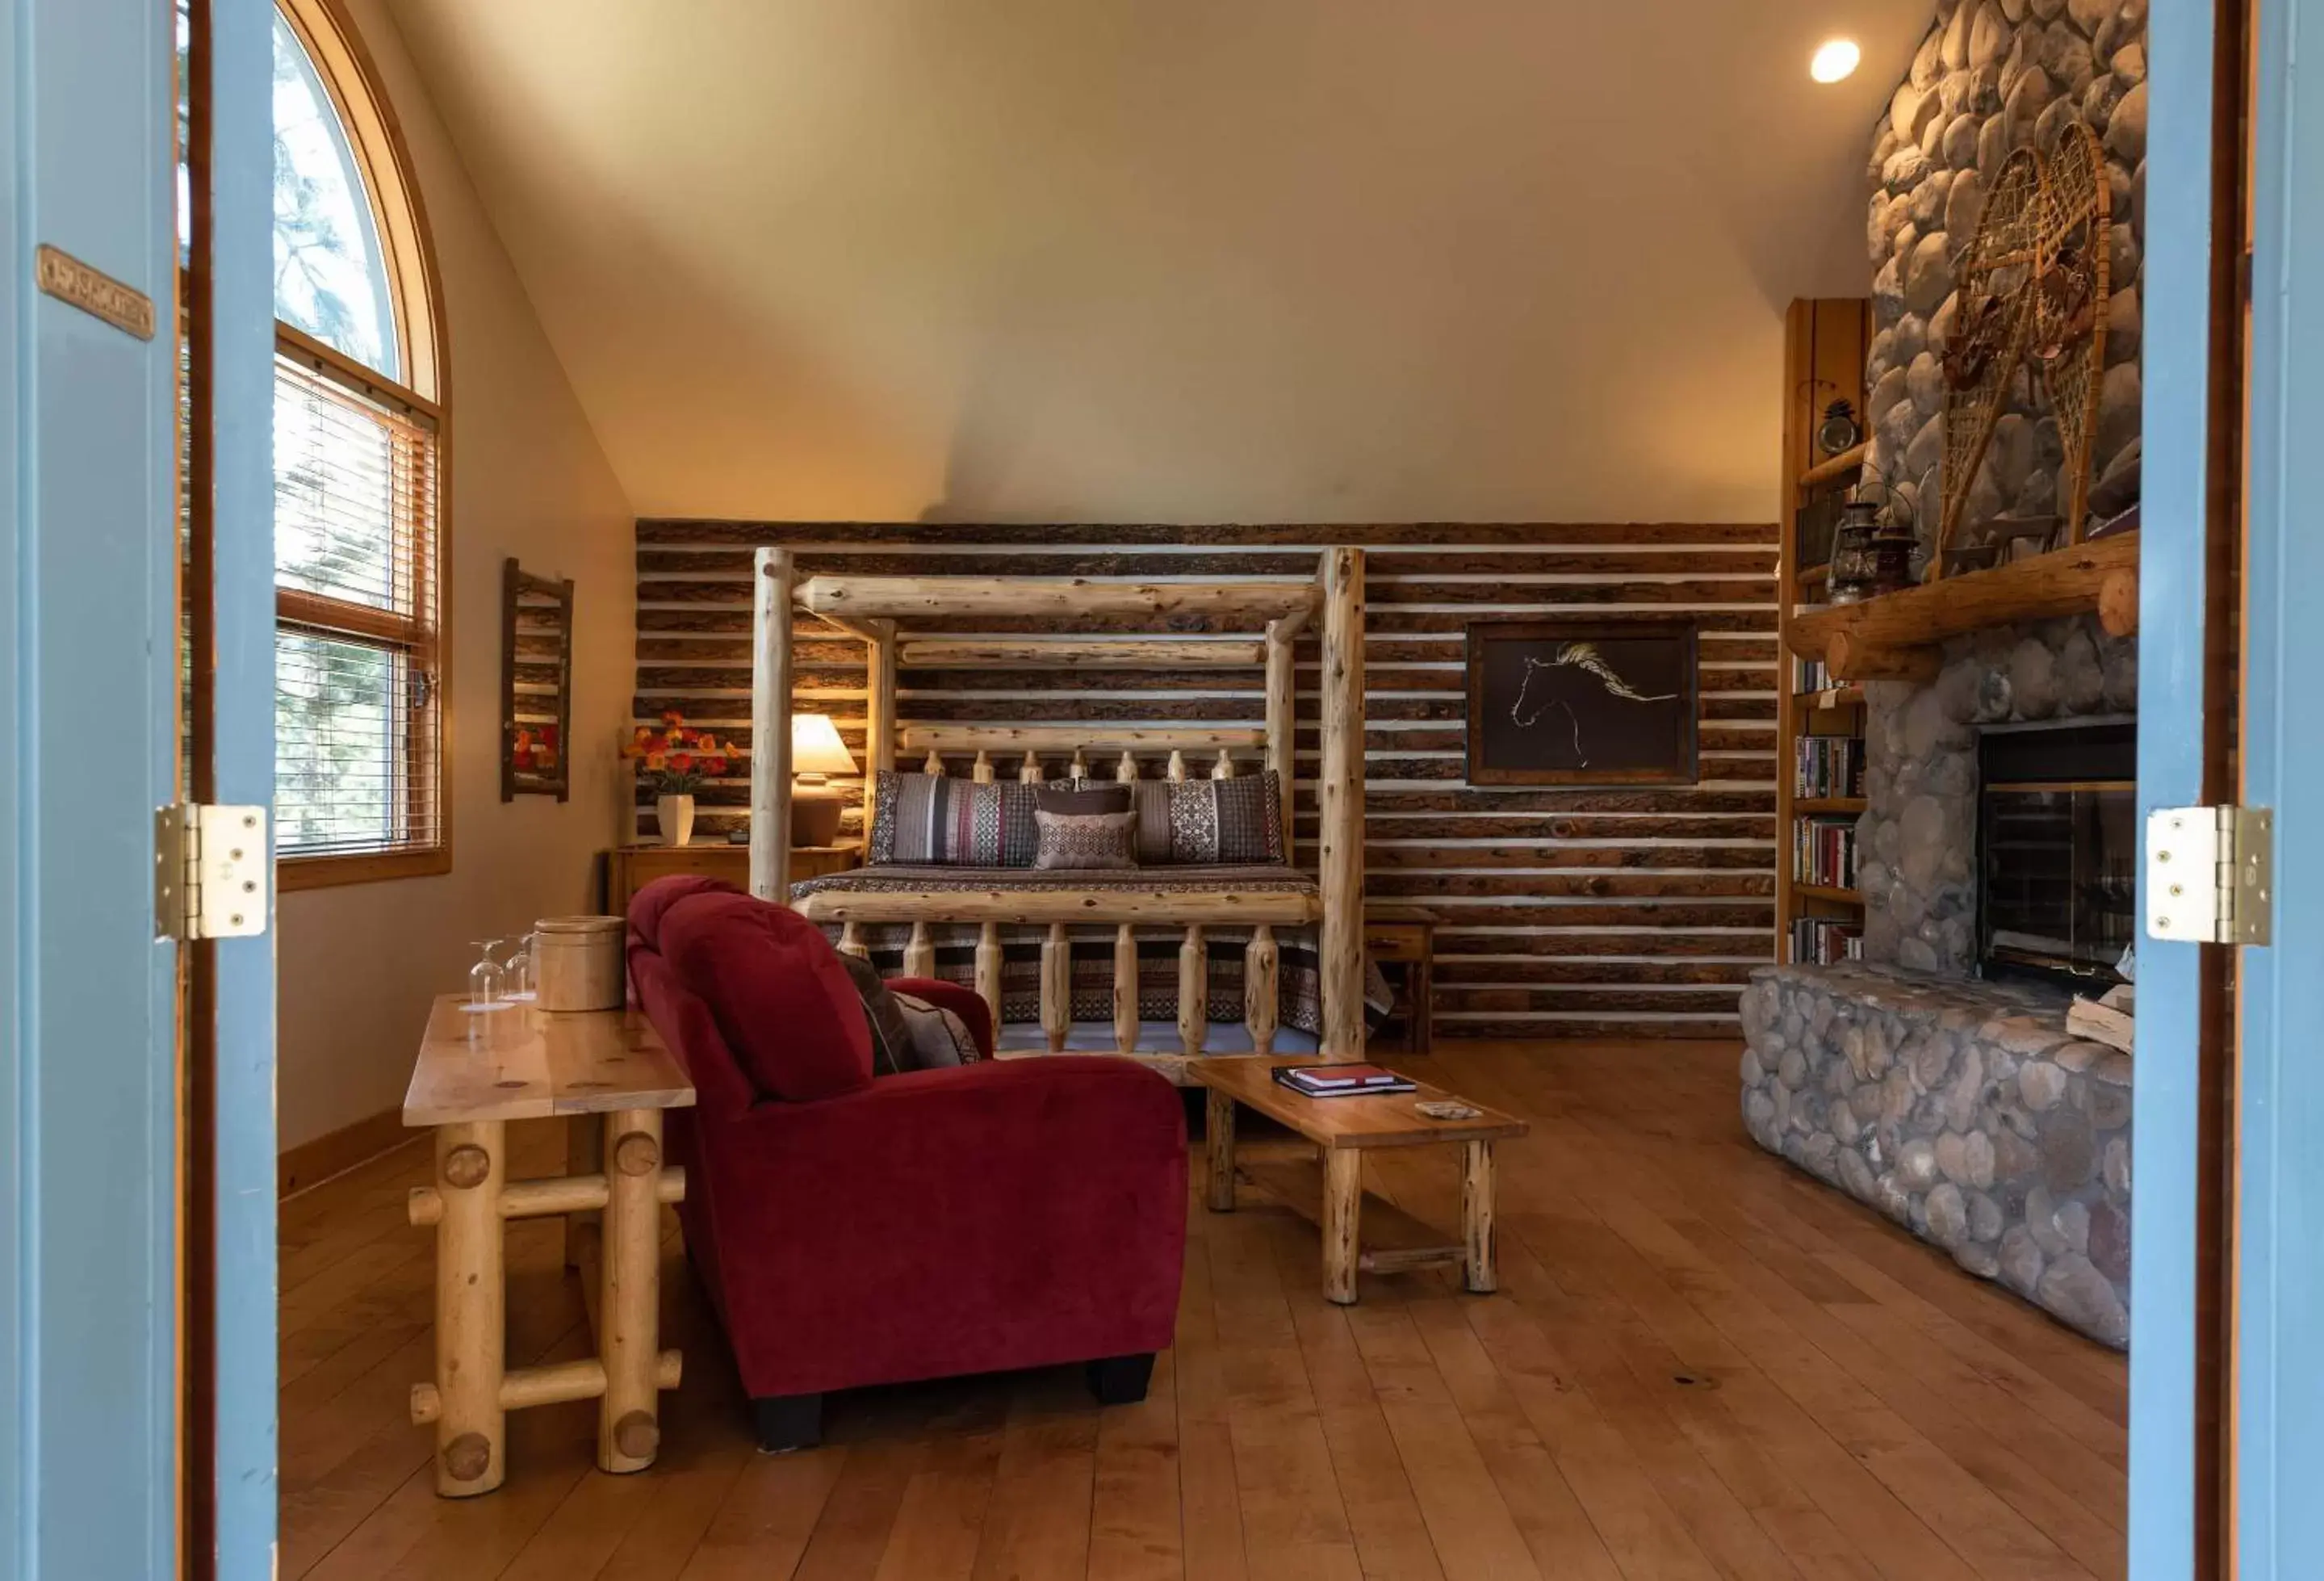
1444 1109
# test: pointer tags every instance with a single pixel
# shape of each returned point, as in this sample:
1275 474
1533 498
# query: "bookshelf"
1820 720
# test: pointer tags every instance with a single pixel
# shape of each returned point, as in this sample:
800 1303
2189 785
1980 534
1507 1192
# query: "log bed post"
878 718
771 725
1281 728
1340 860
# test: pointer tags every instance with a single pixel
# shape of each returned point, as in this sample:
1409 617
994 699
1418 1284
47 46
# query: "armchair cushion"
782 1002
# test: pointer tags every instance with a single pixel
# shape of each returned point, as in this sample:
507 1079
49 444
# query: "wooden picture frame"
1623 692
536 685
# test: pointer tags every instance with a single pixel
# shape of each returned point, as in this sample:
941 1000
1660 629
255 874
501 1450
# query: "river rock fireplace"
1937 1081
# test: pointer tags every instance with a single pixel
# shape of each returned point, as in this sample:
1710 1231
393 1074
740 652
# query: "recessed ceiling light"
1836 59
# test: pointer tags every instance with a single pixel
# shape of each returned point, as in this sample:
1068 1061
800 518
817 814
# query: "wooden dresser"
629 868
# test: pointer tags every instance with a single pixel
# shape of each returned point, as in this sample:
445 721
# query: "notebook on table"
1340 1081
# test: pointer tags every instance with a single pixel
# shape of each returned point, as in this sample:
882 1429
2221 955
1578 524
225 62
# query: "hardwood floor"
1701 1363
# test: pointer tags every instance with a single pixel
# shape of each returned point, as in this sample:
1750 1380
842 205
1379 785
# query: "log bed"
877 610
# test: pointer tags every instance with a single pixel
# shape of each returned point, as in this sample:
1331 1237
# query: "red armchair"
851 1231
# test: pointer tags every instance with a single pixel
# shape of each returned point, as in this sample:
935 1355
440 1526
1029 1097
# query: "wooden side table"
1342 1130
608 1073
629 868
1406 936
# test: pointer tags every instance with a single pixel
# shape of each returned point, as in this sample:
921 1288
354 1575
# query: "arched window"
359 779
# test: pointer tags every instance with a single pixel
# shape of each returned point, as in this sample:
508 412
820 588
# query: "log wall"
1585 913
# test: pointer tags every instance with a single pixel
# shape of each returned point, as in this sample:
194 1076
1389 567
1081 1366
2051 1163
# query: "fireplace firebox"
2057 849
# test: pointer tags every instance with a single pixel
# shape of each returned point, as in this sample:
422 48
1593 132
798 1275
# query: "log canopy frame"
878 611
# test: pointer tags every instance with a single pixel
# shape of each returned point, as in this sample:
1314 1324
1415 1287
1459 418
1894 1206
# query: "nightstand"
629 868
1405 937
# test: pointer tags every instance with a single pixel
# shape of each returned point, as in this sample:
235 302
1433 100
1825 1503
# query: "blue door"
2279 1404
101 1359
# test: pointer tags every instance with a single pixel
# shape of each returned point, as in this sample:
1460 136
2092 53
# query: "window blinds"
357 716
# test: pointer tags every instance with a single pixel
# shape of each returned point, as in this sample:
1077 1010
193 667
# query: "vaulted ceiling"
1195 261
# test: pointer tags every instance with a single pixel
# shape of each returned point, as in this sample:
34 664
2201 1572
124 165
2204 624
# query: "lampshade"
816 747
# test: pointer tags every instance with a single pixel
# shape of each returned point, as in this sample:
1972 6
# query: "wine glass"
484 979
519 969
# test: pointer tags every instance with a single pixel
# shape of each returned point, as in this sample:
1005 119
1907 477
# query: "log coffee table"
605 1072
1375 1235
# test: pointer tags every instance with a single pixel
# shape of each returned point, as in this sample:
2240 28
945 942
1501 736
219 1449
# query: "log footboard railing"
872 609
1056 912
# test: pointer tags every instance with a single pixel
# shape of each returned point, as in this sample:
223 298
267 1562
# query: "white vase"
676 814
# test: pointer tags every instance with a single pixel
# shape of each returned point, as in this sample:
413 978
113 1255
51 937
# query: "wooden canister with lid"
577 963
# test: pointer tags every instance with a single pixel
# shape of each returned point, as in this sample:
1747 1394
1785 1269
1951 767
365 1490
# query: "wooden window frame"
408 248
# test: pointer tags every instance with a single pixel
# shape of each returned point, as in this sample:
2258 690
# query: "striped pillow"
937 821
1209 821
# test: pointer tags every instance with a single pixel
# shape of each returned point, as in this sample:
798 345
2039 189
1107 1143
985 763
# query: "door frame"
2278 1417
2182 1359
230 1384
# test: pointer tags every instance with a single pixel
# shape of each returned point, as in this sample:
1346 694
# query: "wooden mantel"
1897 636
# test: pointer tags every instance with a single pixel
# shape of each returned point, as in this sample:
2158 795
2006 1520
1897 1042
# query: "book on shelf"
1827 766
1340 1081
1825 941
1823 851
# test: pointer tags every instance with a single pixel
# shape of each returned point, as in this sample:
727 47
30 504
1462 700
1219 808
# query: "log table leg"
1343 1202
471 1309
1477 1273
629 1422
585 1154
1219 1130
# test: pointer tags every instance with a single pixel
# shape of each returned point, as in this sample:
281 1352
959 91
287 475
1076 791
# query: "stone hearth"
1964 1111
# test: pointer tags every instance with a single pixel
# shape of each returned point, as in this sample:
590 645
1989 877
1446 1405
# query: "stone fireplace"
1917 1082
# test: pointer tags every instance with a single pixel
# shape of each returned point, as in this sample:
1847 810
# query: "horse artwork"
1582 702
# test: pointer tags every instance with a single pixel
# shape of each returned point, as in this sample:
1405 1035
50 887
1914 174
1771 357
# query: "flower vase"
676 816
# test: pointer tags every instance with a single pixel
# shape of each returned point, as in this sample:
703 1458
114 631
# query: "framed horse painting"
1582 702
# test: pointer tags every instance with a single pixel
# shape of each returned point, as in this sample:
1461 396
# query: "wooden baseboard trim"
335 1153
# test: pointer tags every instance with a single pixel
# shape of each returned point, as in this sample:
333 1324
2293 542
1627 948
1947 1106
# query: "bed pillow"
934 821
940 1039
1080 797
1085 840
1236 821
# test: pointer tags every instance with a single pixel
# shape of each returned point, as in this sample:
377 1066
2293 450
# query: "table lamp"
816 754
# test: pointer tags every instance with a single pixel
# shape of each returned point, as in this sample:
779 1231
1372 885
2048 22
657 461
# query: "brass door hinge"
2210 874
209 871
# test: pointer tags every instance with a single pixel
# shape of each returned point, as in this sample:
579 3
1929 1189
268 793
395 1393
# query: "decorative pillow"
937 821
892 1034
1209 821
1084 840
939 1038
1080 797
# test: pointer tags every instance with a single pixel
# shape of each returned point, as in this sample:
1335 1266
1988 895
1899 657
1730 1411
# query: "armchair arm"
964 1002
999 1214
